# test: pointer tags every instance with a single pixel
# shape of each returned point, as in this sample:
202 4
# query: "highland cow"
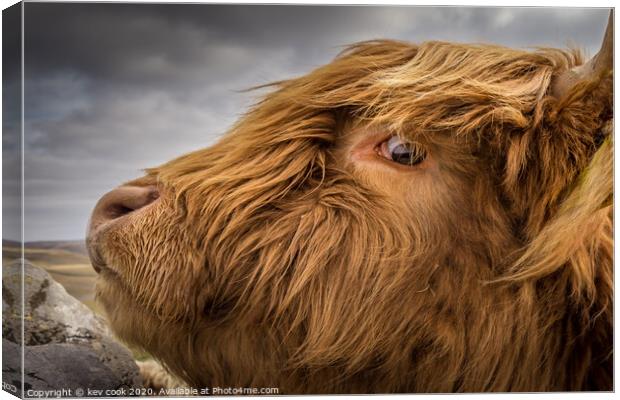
407 218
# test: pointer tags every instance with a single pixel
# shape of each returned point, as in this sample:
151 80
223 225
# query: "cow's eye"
395 149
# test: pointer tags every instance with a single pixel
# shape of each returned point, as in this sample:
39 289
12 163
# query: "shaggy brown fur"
278 258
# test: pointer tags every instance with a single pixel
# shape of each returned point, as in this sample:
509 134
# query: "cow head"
430 217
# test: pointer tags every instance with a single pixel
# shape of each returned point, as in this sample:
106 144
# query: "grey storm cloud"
111 89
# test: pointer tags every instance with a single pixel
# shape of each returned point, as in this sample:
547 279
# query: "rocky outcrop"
66 346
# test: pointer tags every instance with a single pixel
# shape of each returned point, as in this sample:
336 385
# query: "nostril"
116 211
124 200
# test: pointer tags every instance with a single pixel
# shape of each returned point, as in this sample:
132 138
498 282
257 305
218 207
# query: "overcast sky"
111 89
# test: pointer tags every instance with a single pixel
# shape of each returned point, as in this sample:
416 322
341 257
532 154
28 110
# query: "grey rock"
66 346
50 313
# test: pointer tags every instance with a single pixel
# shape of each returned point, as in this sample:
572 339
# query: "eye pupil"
406 154
402 155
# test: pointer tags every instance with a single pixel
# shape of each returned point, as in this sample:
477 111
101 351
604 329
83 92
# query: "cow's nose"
122 201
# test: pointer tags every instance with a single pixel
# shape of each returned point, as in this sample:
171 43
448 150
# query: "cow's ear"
597 66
